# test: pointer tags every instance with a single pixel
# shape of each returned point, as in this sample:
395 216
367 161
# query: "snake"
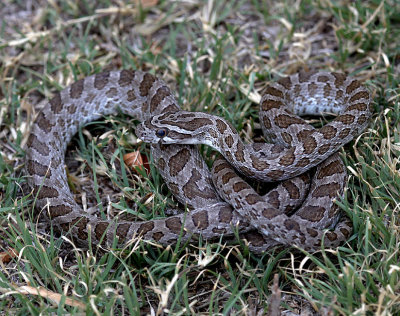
300 211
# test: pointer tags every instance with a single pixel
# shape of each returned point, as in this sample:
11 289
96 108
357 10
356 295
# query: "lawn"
216 56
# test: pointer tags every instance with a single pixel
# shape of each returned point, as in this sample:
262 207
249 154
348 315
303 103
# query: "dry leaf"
136 160
55 297
6 256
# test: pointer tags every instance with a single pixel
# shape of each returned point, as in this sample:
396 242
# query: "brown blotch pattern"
305 76
59 210
324 148
174 224
271 104
330 190
157 236
273 199
344 133
146 84
40 147
239 153
258 164
100 230
122 230
44 123
359 95
101 80
288 159
229 141
275 174
329 170
56 103
270 213
274 91
145 228
345 119
309 144
312 213
292 190
328 131
291 224
339 79
221 126
200 220
239 186
253 199
76 89
178 161
37 168
112 92
285 121
161 93
126 78
354 85
225 215
358 107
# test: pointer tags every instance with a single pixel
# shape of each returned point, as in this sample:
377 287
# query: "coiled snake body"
267 220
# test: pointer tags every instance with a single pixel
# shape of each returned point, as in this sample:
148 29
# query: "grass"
216 58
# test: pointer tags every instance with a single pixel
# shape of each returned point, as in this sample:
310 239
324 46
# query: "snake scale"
297 212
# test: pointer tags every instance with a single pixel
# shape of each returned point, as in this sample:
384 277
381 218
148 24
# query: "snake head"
176 128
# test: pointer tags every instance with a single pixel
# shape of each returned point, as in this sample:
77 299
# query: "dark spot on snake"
122 231
292 189
160 95
200 220
323 149
323 78
174 224
284 121
44 124
268 104
59 210
240 186
291 224
146 83
354 85
358 107
275 174
305 76
270 213
126 77
225 214
332 236
56 103
345 119
273 198
157 236
145 228
253 199
76 89
221 126
339 79
112 92
178 161
100 232
332 168
38 169
328 131
101 80
331 190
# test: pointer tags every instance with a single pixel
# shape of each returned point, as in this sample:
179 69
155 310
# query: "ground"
217 56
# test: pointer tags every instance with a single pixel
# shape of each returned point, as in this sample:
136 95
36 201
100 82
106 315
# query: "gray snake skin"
265 221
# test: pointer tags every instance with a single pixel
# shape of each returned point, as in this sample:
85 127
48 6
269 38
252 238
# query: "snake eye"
161 132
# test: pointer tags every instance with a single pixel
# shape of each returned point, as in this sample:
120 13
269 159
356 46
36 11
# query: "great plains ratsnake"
297 212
